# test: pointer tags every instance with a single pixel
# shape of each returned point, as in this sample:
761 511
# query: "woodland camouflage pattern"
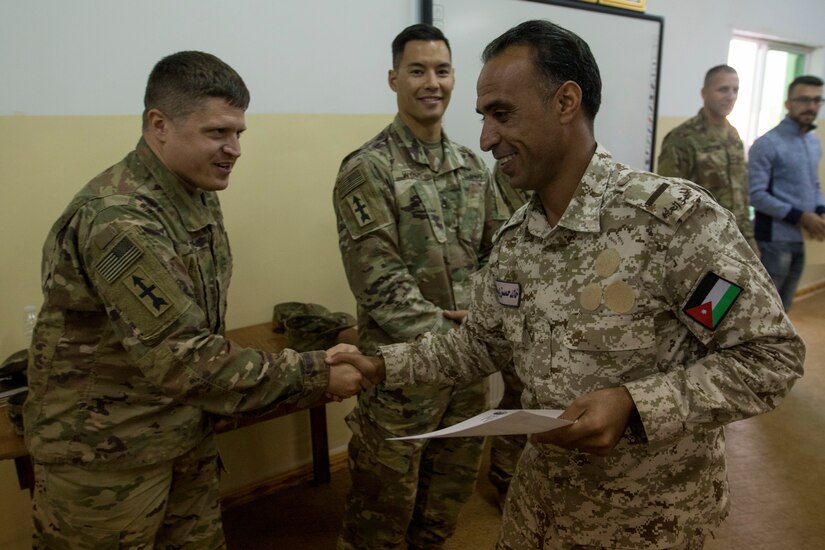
412 228
601 305
715 159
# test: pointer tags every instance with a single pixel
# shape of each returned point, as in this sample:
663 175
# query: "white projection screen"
626 46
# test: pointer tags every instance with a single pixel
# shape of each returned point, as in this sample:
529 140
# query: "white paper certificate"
500 422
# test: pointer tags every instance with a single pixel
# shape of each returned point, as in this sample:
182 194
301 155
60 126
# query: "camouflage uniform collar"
582 214
705 126
194 208
419 153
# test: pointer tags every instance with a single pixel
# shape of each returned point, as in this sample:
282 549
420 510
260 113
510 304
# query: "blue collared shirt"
783 179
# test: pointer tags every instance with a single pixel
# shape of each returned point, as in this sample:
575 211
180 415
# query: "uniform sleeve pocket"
513 323
610 333
609 350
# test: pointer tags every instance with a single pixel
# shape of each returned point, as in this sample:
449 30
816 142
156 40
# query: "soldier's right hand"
344 381
372 368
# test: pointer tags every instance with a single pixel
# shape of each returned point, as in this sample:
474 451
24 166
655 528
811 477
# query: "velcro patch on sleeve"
118 260
360 203
351 180
148 293
712 299
139 286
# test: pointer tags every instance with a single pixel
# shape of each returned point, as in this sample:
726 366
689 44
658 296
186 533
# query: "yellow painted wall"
814 272
281 225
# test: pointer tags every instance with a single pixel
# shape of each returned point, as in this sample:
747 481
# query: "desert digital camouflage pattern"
505 450
715 159
413 226
598 301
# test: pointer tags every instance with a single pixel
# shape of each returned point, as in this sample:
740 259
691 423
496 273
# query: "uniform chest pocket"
206 276
472 210
420 222
712 166
611 349
531 340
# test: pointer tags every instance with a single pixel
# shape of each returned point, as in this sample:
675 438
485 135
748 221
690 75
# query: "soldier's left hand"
601 417
457 315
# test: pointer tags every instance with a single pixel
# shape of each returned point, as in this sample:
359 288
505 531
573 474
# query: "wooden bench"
256 336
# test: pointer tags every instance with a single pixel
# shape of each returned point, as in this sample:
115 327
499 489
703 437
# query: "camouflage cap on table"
309 326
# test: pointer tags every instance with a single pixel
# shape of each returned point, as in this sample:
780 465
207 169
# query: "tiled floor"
776 466
776 462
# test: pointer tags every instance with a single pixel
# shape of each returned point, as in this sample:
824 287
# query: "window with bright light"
765 69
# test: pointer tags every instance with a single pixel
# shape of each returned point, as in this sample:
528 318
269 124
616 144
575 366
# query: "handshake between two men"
350 371
600 417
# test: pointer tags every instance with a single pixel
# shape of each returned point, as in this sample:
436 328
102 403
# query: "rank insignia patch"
118 260
509 293
149 294
712 300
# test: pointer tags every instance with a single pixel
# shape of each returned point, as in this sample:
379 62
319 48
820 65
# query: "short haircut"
713 71
420 31
559 55
805 80
179 82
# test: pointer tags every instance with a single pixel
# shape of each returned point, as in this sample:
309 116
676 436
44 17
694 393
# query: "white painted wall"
697 34
92 57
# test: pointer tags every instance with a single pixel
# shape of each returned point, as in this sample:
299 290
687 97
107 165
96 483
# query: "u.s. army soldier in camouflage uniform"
416 216
707 149
128 353
627 299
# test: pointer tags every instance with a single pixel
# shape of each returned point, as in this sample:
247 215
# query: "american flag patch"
116 262
352 180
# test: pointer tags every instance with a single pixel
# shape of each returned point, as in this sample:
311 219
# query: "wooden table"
262 337
255 336
11 446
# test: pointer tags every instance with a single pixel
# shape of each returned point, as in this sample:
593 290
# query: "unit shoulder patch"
140 287
359 202
147 291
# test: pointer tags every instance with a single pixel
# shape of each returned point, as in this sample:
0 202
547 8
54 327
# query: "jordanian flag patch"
712 300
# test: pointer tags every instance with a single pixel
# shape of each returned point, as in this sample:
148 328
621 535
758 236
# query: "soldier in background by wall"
783 174
128 357
416 217
629 300
707 149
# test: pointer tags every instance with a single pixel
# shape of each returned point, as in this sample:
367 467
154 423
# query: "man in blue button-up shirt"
784 187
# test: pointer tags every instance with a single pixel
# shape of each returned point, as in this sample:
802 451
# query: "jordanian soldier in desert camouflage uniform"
416 216
707 150
505 450
629 300
128 353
